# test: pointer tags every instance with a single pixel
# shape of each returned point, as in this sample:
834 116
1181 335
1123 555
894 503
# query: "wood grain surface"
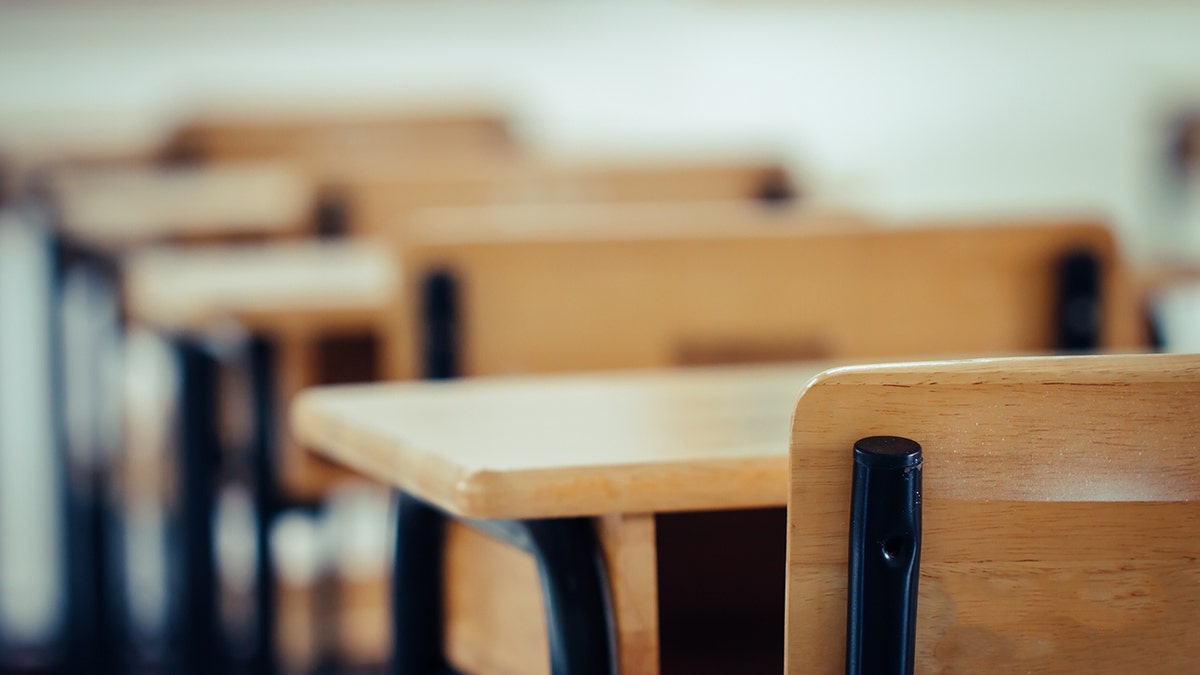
636 442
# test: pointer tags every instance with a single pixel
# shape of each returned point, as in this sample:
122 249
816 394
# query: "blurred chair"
379 198
315 141
1056 513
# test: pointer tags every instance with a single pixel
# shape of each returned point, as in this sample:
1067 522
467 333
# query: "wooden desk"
277 288
288 295
568 445
610 455
113 208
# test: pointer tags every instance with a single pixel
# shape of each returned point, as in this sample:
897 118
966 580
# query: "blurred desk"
275 300
276 288
114 207
600 460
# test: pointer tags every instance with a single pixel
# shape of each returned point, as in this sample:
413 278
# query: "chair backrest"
314 140
381 198
681 292
1060 506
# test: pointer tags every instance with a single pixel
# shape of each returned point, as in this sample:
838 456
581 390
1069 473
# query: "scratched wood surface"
576 298
1060 507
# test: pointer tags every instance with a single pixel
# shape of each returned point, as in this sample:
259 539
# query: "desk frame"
571 571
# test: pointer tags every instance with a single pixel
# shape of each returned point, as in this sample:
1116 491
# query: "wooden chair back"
383 199
578 298
315 142
1060 505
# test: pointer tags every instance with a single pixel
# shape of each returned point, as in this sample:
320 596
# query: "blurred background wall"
910 108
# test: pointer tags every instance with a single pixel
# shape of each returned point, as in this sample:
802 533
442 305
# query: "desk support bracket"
570 568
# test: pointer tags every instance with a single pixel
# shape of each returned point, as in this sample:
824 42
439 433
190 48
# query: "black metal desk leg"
885 556
198 636
417 589
575 595
570 569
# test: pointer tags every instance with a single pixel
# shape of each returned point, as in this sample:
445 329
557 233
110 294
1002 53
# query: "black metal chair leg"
199 636
575 595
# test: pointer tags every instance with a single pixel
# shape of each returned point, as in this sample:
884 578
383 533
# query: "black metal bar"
199 635
266 498
416 589
575 595
331 219
1079 311
439 311
570 569
776 190
885 556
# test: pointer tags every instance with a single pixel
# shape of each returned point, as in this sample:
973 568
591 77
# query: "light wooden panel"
578 299
381 198
1059 511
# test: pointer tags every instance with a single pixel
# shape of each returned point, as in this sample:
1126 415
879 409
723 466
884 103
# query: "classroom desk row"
537 293
116 207
1059 504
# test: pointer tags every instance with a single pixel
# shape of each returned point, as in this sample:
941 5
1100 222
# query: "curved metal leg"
570 569
575 594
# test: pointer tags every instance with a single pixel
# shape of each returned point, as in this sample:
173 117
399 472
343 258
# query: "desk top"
265 287
566 445
112 207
